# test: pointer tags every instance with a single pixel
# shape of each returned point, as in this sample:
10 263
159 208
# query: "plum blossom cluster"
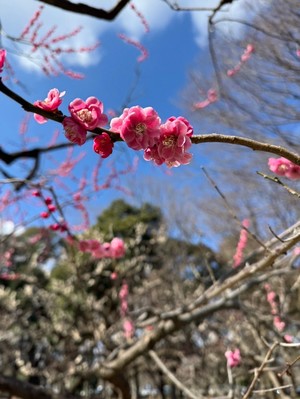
233 358
141 129
249 50
284 167
211 97
271 298
238 256
84 115
50 46
128 325
115 249
50 209
167 143
6 272
2 59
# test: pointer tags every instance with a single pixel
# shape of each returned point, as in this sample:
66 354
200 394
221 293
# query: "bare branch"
245 142
26 390
81 8
171 376
259 370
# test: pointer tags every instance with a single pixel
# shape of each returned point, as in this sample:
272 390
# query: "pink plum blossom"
117 248
138 127
233 358
278 323
128 327
174 142
151 154
51 104
296 251
288 338
89 114
247 53
103 145
114 275
212 96
238 256
2 58
73 131
284 167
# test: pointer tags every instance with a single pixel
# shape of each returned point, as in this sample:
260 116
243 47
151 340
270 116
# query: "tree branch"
245 142
208 303
81 8
25 390
171 376
197 139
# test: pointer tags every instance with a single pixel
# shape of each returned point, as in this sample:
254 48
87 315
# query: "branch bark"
81 8
197 139
25 390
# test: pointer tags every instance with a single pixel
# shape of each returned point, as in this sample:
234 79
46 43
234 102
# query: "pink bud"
103 145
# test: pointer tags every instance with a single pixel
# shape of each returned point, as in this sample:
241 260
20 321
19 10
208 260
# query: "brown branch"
260 370
171 376
54 116
218 8
175 7
25 390
197 139
81 8
245 142
208 303
275 179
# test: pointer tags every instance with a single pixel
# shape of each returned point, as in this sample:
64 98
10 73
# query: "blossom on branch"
175 141
284 167
139 127
89 114
103 145
50 104
73 131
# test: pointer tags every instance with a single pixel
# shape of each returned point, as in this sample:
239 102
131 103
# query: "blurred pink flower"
2 58
247 53
278 323
233 358
117 248
128 328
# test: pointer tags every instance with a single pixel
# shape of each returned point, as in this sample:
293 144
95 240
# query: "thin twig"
231 211
171 376
259 370
262 391
275 179
246 142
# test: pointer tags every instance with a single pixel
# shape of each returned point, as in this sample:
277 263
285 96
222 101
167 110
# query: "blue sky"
174 42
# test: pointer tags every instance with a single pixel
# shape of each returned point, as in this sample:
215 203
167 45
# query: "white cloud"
200 19
156 12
